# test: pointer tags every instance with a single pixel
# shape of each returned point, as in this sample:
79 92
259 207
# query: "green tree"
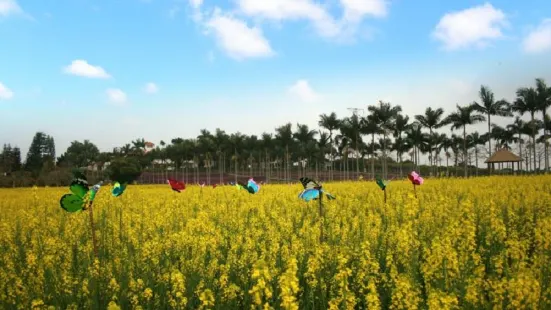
371 128
527 102
10 159
473 141
517 128
461 118
432 119
124 169
544 102
305 137
41 153
284 137
489 107
81 154
385 115
330 122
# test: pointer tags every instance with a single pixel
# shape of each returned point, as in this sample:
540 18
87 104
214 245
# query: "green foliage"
80 154
10 159
124 169
41 154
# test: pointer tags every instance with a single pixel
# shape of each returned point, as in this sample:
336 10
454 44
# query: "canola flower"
476 243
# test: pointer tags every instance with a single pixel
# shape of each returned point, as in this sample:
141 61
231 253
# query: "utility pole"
355 113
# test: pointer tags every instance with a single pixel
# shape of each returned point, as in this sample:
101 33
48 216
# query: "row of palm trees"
345 145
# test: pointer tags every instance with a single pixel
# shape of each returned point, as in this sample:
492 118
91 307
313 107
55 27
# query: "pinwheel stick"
92 227
385 194
321 215
415 190
93 193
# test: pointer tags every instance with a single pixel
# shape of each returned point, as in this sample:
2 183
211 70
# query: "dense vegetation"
461 244
385 141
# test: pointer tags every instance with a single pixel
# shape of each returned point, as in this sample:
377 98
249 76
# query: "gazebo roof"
503 156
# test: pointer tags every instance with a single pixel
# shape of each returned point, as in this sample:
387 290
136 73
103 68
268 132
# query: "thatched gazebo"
504 156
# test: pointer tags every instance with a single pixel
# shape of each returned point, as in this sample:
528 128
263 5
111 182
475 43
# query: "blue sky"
112 71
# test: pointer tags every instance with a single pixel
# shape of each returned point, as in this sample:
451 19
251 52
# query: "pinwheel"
251 186
382 184
176 186
415 179
312 191
118 189
81 195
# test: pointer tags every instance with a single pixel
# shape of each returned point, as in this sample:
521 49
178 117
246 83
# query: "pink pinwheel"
415 178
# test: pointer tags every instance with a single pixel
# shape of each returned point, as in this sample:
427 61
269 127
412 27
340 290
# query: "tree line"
382 142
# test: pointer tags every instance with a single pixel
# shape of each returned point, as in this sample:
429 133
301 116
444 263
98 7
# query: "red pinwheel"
176 186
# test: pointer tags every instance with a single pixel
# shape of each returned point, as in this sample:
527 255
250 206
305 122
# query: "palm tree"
446 144
343 150
473 141
139 146
436 139
526 102
489 107
370 127
284 135
417 140
330 122
432 119
267 143
221 146
456 144
322 144
236 141
351 129
305 137
206 147
544 102
401 124
460 119
516 128
504 137
528 128
400 146
385 114
251 151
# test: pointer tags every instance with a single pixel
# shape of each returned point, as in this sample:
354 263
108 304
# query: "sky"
112 71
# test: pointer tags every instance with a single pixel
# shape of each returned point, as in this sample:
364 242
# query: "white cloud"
151 88
8 7
116 96
325 24
539 40
5 92
292 10
475 26
236 38
196 3
355 10
304 91
83 68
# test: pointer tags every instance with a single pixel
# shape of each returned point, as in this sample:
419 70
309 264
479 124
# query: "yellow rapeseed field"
481 243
